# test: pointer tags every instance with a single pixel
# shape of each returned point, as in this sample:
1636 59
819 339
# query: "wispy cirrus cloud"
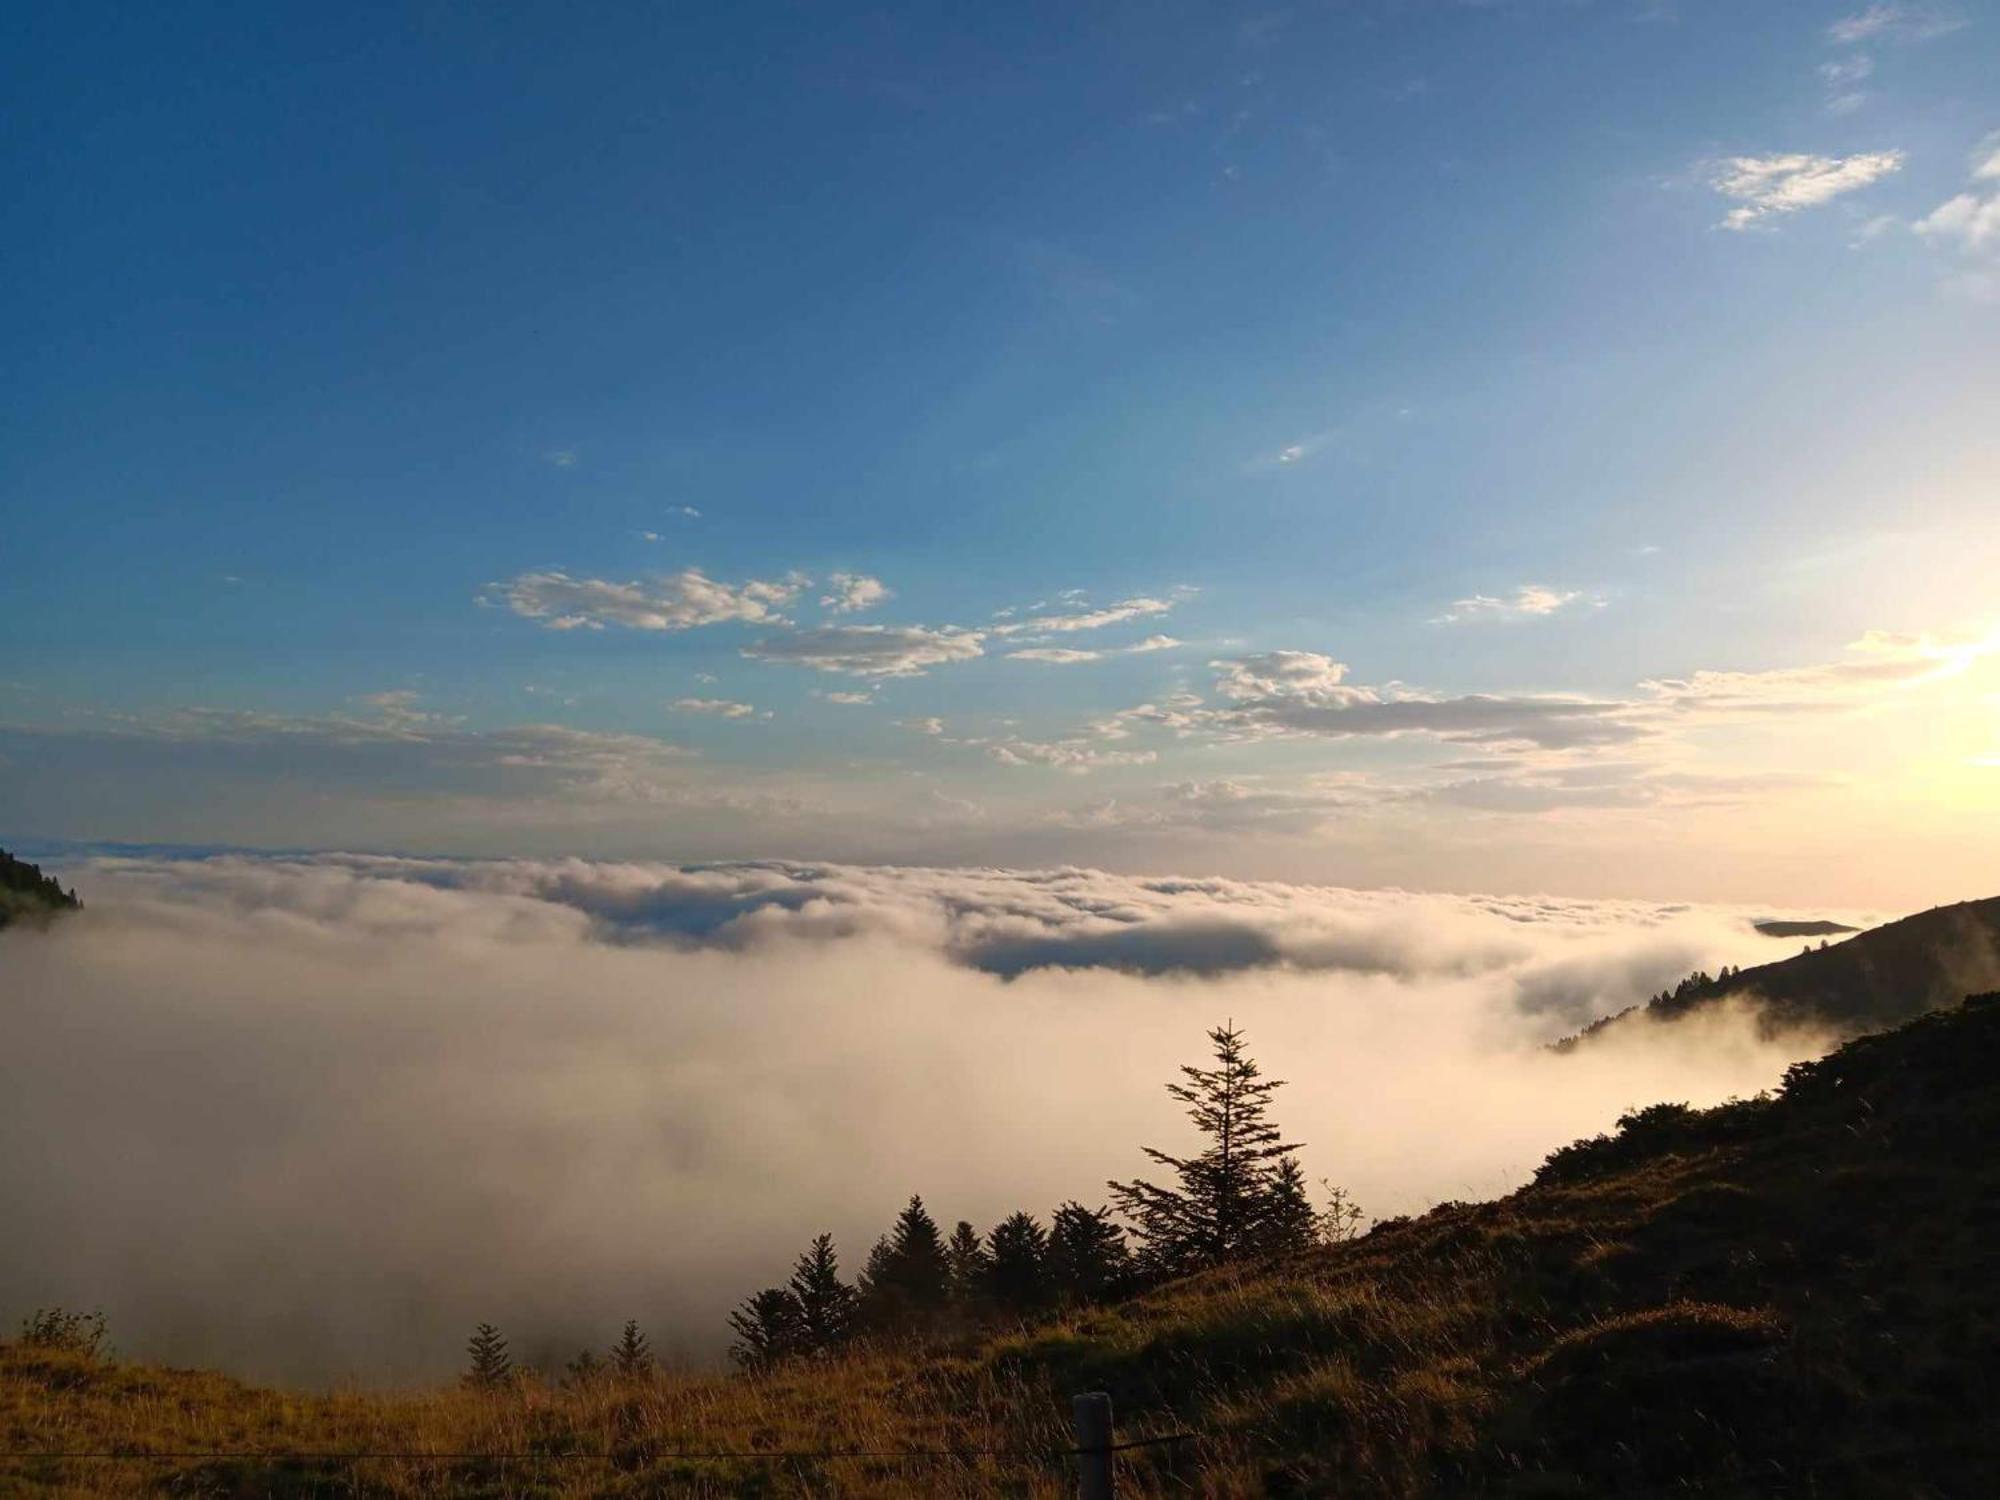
1888 21
1767 187
670 601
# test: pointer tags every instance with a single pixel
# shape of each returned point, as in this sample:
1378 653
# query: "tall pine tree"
1217 1208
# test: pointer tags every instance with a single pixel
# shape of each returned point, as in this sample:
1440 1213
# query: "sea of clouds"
311 1118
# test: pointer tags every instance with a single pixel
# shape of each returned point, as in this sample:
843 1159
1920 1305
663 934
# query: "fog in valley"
310 1119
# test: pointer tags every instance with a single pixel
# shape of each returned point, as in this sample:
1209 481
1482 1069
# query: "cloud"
1089 619
1529 601
1061 656
1878 662
930 726
1892 22
1304 692
849 699
672 601
870 650
1064 656
721 708
1767 186
852 592
406 1095
1078 757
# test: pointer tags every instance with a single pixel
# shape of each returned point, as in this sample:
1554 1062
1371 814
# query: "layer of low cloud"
318 1116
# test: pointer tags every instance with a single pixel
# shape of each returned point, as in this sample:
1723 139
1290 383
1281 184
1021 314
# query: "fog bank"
311 1119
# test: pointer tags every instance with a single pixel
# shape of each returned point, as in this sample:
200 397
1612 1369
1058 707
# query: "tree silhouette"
826 1304
632 1355
1017 1271
966 1265
767 1328
1289 1221
1219 1206
491 1366
908 1279
1087 1257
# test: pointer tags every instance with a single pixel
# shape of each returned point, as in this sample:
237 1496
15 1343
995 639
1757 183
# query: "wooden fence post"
1093 1443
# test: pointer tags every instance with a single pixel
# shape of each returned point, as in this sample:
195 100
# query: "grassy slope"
1880 978
1795 1296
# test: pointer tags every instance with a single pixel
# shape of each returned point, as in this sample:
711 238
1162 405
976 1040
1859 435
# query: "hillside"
1796 1295
26 894
1879 978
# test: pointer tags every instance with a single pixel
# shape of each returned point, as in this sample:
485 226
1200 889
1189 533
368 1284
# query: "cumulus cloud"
1764 187
870 650
852 592
1529 601
405 1095
672 601
720 708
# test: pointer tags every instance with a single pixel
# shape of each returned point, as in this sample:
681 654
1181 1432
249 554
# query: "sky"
1536 445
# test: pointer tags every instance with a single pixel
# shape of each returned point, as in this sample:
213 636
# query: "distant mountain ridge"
26 894
1874 980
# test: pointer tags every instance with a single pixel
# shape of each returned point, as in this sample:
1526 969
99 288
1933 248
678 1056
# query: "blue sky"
422 423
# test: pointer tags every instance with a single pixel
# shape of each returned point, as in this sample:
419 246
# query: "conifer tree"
491 1366
582 1370
767 1328
1288 1220
632 1355
1017 1270
1219 1204
966 1262
908 1280
826 1303
1088 1261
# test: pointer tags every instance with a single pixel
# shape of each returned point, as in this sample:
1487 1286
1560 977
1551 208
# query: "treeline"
26 892
1244 1194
